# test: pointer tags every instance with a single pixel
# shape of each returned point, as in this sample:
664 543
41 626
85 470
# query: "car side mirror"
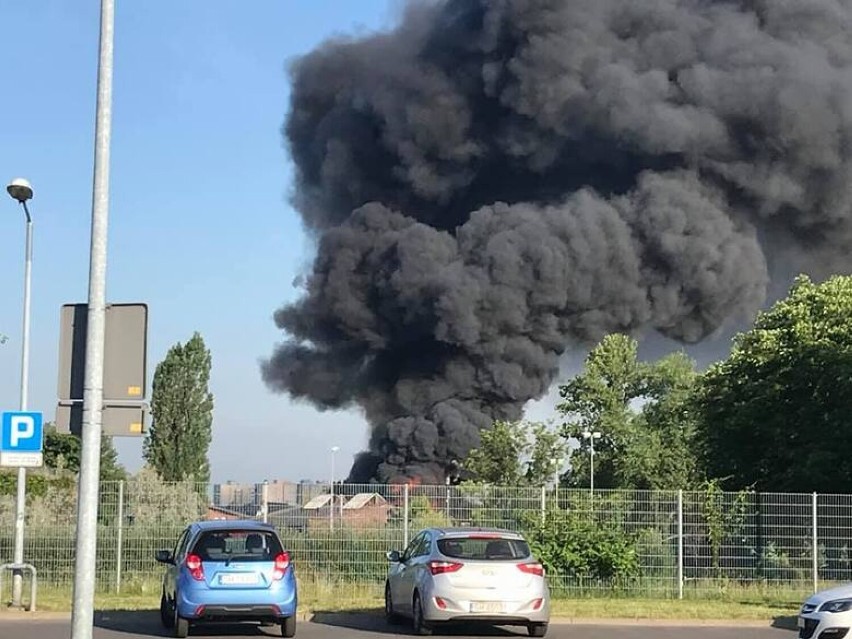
165 557
393 556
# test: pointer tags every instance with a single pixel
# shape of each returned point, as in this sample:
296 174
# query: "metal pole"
331 506
592 466
405 516
815 544
21 500
543 502
680 544
87 508
264 496
119 540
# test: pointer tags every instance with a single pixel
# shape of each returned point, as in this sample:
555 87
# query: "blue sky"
200 227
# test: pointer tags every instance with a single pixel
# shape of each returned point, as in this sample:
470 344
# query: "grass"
317 594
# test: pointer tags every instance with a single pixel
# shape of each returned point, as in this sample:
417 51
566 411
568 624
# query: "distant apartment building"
237 495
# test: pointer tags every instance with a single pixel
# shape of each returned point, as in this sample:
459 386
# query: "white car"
483 575
827 614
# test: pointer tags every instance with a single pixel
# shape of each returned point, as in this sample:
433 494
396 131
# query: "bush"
572 544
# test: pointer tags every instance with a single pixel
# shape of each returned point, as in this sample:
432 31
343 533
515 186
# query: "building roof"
221 524
318 502
362 499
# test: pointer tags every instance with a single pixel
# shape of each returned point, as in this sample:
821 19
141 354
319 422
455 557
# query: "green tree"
662 451
497 459
547 453
182 414
641 410
62 452
516 453
599 400
775 414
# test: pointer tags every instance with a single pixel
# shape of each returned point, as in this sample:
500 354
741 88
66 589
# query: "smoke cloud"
495 182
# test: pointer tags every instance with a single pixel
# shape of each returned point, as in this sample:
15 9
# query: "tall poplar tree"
178 441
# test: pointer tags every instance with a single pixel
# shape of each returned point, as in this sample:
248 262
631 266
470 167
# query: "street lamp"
21 190
591 436
334 449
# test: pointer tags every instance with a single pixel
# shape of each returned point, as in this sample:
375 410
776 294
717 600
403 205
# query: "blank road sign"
125 352
123 420
21 439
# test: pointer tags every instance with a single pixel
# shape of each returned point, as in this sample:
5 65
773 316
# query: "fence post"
543 502
119 539
405 515
680 544
264 501
815 543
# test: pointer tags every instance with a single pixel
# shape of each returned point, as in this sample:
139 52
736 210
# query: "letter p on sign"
23 427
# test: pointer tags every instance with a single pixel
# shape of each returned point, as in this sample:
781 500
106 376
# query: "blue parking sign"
21 439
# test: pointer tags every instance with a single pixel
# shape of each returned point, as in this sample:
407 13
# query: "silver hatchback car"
485 575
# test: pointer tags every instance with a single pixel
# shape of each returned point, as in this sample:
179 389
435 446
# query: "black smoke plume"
496 181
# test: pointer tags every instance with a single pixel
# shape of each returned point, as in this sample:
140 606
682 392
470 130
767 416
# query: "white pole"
405 516
592 467
120 539
815 550
21 499
334 449
680 544
87 508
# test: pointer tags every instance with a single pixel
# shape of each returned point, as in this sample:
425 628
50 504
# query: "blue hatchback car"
228 571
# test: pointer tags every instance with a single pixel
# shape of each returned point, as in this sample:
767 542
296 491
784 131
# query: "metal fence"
681 543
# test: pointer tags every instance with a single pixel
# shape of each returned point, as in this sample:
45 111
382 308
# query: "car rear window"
237 545
483 548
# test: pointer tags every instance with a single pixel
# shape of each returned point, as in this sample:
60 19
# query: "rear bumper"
496 620
520 610
240 613
247 606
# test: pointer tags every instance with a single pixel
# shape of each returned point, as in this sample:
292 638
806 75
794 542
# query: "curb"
20 615
663 623
594 621
309 616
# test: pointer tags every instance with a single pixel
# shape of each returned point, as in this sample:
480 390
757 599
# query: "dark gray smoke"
497 181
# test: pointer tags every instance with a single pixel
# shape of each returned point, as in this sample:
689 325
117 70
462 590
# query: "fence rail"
677 543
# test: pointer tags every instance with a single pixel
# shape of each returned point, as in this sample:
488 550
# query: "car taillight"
193 564
532 569
440 567
282 563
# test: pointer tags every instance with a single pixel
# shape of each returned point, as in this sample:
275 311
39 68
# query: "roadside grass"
701 602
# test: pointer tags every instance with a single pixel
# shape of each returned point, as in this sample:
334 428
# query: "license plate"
800 622
240 579
486 606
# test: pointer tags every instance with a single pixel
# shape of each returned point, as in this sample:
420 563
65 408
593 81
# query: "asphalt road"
330 626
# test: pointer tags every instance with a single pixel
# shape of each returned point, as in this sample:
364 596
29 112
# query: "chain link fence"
634 543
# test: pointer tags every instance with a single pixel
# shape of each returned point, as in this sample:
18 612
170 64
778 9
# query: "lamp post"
334 449
21 190
591 436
